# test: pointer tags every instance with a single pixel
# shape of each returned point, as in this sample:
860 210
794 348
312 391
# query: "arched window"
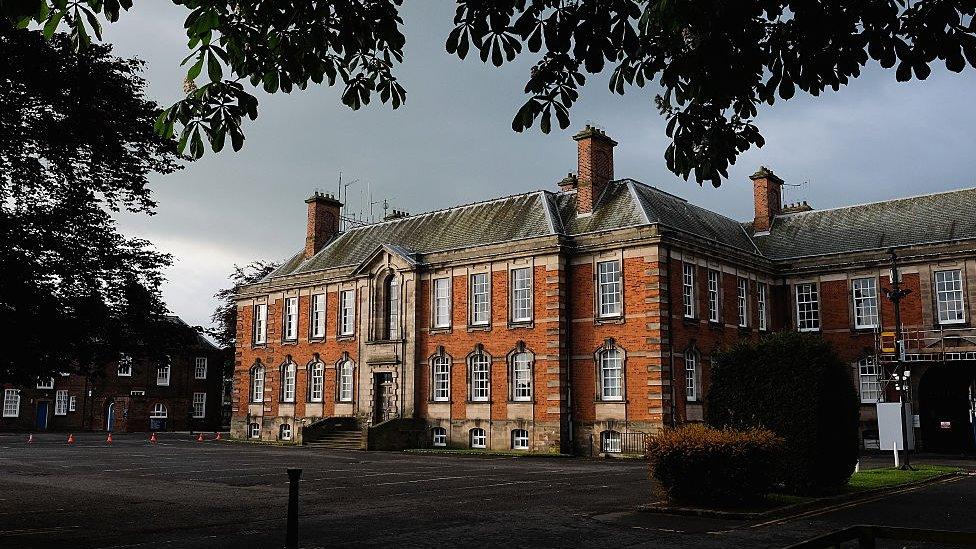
316 381
288 375
158 411
692 391
345 384
478 438
284 432
393 307
439 436
479 377
520 439
610 442
254 430
611 374
441 378
521 376
257 383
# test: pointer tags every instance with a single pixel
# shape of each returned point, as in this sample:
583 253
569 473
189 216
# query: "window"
254 430
11 402
480 377
480 300
439 436
347 312
162 374
45 383
200 369
393 307
762 299
442 302
610 442
291 319
869 376
948 291
260 324
691 375
807 308
257 383
318 316
742 297
316 384
865 291
284 432
61 403
608 296
713 309
199 405
345 380
159 411
72 403
610 375
478 438
520 439
125 366
441 372
522 377
688 289
288 375
521 295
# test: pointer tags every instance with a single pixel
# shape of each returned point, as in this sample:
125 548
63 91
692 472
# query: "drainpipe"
667 291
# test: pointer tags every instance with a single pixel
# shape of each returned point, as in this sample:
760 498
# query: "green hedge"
698 464
795 385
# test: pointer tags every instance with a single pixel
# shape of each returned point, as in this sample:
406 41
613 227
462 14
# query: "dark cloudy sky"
452 143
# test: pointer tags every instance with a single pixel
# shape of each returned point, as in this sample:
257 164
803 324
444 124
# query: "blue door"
42 416
110 418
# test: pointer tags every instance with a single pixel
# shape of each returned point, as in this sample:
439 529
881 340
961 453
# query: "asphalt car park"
183 493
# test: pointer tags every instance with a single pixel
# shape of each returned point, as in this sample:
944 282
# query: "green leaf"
51 26
194 71
214 70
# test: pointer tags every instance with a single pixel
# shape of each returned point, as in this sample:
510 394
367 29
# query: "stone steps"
343 440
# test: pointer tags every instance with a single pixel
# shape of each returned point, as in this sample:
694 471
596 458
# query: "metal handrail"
866 536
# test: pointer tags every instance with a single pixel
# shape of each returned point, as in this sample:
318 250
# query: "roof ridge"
898 199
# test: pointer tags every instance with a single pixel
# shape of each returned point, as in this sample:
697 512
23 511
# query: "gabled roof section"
615 209
406 255
931 218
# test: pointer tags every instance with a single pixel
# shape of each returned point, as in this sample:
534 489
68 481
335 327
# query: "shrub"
699 464
795 385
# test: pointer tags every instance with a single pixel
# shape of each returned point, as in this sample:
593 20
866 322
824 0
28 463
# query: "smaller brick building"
181 391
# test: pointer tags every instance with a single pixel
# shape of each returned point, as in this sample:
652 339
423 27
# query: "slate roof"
932 218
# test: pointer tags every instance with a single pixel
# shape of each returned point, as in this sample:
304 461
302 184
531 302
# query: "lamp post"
895 294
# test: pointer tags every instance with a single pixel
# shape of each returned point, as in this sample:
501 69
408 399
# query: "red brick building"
548 320
182 389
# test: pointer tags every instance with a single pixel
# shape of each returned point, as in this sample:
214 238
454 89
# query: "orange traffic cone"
200 437
71 439
217 436
30 438
152 439
108 440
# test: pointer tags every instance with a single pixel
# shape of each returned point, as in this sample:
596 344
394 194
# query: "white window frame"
438 436
124 366
441 300
714 305
200 367
289 381
521 294
480 371
257 383
864 293
199 405
478 438
161 379
522 377
11 403
61 402
807 307
869 380
347 312
157 409
284 432
260 324
742 298
317 318
45 383
520 439
611 375
688 289
440 375
393 307
692 392
254 430
609 289
480 303
316 383
290 319
72 403
761 298
611 442
950 297
346 370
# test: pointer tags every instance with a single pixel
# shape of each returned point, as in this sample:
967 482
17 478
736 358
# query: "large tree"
76 146
714 61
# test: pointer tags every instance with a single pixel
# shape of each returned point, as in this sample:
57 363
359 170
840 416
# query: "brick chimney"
595 166
396 214
767 191
323 222
568 183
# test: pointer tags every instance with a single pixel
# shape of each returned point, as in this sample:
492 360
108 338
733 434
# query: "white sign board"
889 426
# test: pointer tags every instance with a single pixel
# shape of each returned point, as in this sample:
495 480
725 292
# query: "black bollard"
291 537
